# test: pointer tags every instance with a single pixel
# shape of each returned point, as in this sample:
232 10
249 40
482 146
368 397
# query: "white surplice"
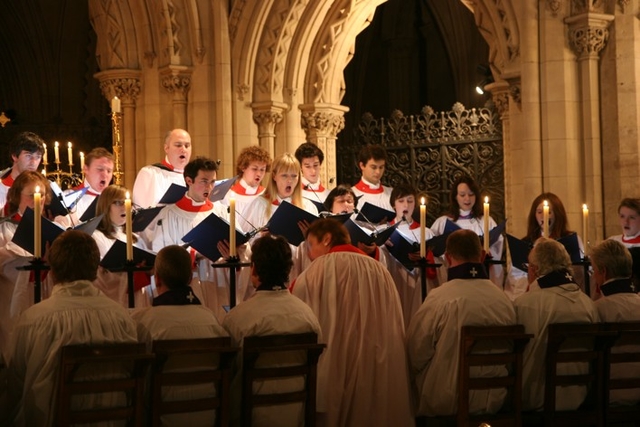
152 182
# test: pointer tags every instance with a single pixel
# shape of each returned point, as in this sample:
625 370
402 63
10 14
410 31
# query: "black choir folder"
317 203
374 214
519 249
402 247
24 235
368 237
221 189
174 193
91 210
284 222
205 236
438 244
143 217
116 257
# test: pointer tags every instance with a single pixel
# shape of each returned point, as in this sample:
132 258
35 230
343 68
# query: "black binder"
91 210
205 236
221 189
143 217
174 193
116 257
360 235
374 214
402 247
284 222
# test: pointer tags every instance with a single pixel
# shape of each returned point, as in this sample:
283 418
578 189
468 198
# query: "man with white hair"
553 297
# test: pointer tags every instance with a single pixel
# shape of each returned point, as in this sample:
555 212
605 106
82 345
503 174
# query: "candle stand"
423 264
37 265
130 268
233 264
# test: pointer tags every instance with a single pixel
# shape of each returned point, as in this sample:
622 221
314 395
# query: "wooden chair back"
255 346
97 369
178 363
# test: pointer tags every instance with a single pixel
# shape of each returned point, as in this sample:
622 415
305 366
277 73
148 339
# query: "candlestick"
423 232
45 162
56 152
545 219
585 227
128 227
115 104
70 153
37 225
486 224
44 172
81 161
232 227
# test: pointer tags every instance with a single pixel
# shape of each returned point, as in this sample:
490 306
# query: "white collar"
370 185
247 188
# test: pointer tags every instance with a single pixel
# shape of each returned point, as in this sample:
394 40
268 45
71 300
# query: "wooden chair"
255 346
511 340
590 348
183 363
125 367
628 334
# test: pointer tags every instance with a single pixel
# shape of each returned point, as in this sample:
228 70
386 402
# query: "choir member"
27 149
154 180
629 217
363 373
311 157
372 160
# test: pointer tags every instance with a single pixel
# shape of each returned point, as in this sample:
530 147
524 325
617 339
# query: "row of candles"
56 152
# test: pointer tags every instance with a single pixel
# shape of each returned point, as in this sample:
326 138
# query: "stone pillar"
267 115
322 123
588 34
125 84
176 79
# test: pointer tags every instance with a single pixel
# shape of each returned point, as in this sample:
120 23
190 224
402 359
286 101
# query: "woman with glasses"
112 228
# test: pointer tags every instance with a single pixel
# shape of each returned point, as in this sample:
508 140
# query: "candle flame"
486 199
81 154
56 144
546 204
69 144
584 207
126 196
37 189
422 201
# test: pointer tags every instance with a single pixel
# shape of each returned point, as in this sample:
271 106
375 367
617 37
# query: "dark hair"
340 190
400 191
27 141
199 164
173 267
631 203
454 208
371 151
98 153
74 255
24 179
322 227
271 258
558 229
464 246
308 150
250 154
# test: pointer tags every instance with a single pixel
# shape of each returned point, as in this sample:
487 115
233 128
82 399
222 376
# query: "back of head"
549 255
250 154
74 255
322 227
371 151
464 246
173 267
199 164
271 260
27 141
308 150
614 257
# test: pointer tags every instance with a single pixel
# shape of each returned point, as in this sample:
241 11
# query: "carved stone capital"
554 6
623 5
125 84
267 116
588 33
242 90
500 96
176 80
322 120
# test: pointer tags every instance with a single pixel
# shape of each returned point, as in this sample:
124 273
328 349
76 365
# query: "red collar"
240 190
631 240
346 248
8 180
167 164
366 189
16 217
308 188
88 193
276 202
186 205
414 224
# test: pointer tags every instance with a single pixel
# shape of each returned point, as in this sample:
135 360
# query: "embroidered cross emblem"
473 272
568 276
190 297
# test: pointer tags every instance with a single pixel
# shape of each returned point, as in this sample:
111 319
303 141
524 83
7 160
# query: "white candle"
486 224
44 172
37 225
81 161
545 219
115 104
423 231
70 153
585 227
128 227
232 227
44 156
56 151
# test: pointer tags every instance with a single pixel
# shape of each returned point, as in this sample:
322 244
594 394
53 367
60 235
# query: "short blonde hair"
549 255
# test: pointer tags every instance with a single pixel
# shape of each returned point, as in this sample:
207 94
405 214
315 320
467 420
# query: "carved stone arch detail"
117 48
172 31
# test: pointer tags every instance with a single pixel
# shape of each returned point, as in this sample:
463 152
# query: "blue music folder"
205 236
284 222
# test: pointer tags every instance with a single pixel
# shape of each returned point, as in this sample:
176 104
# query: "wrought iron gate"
431 149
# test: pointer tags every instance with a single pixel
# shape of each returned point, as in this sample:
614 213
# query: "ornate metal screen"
431 149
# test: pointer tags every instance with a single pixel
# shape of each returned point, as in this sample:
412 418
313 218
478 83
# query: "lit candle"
585 226
423 231
44 172
81 161
115 104
56 151
44 156
70 153
128 226
545 219
232 227
486 224
37 225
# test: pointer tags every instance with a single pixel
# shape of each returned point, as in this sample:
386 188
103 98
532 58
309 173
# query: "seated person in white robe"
112 228
371 161
363 378
433 337
311 157
76 313
16 286
154 180
465 210
251 166
272 310
98 172
178 314
620 302
553 297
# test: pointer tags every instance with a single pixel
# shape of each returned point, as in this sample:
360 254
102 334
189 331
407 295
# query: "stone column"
588 34
267 115
125 84
176 79
322 123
